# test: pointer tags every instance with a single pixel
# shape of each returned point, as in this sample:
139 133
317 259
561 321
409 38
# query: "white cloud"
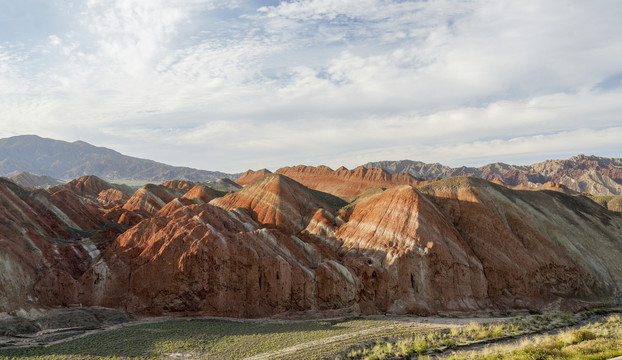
318 81
54 40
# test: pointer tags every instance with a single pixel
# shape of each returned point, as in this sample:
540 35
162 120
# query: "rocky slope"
278 247
150 198
563 248
612 202
224 184
47 241
250 175
64 160
343 182
280 202
590 174
458 244
31 181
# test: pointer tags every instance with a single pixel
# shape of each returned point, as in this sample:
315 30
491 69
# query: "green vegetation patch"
358 338
197 338
611 202
441 340
599 340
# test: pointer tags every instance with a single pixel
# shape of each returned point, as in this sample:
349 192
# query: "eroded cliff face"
428 264
280 202
48 239
536 247
250 176
344 182
203 258
276 246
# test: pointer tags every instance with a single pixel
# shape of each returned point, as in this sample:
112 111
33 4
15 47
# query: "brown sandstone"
343 182
250 176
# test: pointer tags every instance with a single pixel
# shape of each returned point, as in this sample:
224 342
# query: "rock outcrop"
458 244
88 186
150 198
425 263
112 197
203 193
179 184
343 182
101 192
536 247
276 201
47 241
215 263
250 176
32 181
279 247
592 182
224 184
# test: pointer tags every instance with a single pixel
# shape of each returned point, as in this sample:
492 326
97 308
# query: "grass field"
359 338
217 339
600 340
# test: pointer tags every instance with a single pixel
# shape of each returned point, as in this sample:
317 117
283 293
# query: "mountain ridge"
277 247
71 160
582 173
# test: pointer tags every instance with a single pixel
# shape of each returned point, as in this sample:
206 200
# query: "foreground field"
599 337
598 340
220 339
359 338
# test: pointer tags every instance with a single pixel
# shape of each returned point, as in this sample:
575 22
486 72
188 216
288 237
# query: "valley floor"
352 338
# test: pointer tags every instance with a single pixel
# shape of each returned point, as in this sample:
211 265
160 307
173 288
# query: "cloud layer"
230 85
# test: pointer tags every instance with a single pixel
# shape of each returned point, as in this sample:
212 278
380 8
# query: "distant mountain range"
65 160
589 174
32 161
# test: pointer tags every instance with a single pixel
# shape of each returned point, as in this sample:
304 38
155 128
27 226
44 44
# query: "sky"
234 84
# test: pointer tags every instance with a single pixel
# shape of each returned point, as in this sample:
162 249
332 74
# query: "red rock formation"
532 255
203 193
214 263
278 201
276 246
198 194
43 247
179 184
344 182
250 176
425 260
174 205
112 197
93 188
150 198
75 211
122 216
88 186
